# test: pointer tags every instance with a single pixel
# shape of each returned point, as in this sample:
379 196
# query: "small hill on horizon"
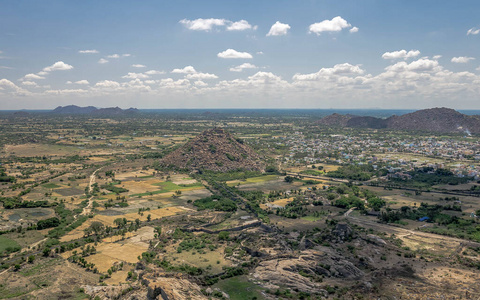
215 150
438 119
78 110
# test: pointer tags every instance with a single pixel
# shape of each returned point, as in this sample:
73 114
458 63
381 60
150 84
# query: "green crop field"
6 244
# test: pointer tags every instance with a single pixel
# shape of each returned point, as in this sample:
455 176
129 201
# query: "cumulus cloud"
353 29
201 76
102 61
401 54
200 83
83 82
107 84
473 31
154 72
186 70
136 76
202 24
344 69
93 51
278 29
437 57
126 55
239 26
30 83
462 59
208 24
231 53
138 66
113 56
334 25
242 67
421 65
10 87
65 92
58 66
32 76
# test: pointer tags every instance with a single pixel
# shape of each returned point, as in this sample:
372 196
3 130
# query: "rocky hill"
215 150
440 120
77 110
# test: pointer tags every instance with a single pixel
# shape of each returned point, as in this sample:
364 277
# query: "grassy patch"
51 186
239 288
6 244
312 218
168 186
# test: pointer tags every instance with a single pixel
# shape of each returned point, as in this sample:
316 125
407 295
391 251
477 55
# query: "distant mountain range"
439 120
77 110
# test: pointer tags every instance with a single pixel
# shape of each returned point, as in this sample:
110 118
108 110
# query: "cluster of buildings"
396 153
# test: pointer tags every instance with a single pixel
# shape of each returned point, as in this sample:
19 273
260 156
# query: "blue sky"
240 54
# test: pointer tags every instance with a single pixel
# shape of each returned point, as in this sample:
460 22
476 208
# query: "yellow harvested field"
133 174
182 179
280 202
110 253
118 277
108 220
143 186
117 249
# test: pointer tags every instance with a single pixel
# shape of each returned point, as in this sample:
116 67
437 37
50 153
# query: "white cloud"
200 83
113 56
344 69
58 66
65 92
421 65
93 51
10 87
202 24
83 82
334 25
68 82
186 70
33 77
401 54
231 53
136 76
201 76
138 66
278 29
473 31
462 59
107 84
30 83
208 24
126 55
437 57
242 67
239 26
353 29
102 61
42 73
154 72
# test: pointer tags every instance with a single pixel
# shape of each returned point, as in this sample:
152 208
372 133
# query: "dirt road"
88 209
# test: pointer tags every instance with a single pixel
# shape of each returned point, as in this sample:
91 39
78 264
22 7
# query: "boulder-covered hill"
77 110
216 150
440 120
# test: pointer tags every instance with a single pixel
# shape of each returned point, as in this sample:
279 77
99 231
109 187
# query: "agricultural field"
96 208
